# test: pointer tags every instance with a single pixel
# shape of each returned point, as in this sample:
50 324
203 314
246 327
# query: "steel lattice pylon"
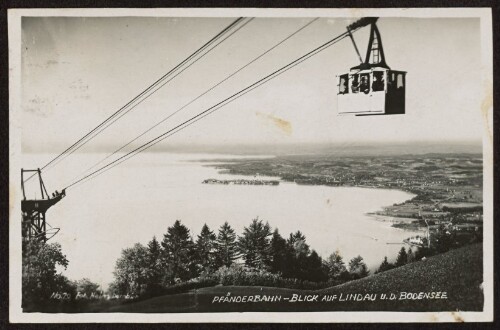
34 224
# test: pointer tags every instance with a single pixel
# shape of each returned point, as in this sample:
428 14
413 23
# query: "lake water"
143 197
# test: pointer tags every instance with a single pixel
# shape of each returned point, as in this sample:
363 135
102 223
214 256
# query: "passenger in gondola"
378 82
343 86
390 84
355 84
364 86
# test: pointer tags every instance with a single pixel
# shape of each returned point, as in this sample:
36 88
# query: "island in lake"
243 182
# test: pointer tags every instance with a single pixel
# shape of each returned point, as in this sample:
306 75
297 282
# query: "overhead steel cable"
198 51
154 91
202 94
215 107
160 81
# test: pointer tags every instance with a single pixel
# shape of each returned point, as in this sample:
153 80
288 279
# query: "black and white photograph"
251 165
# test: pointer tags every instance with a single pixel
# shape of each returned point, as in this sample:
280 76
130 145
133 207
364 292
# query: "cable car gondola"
371 88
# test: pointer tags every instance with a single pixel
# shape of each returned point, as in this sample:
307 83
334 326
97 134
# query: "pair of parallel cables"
200 115
151 89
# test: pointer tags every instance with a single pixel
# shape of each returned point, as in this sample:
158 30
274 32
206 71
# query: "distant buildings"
416 240
243 182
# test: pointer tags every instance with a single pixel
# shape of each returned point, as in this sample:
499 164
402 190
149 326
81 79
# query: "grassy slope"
457 272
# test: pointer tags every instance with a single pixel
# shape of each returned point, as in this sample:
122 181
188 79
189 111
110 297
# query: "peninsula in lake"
447 186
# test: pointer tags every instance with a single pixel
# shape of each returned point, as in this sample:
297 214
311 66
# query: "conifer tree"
154 250
316 270
281 255
385 265
402 258
226 246
206 249
178 253
254 244
154 265
410 257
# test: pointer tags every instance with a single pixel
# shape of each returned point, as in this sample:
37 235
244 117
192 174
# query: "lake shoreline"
331 218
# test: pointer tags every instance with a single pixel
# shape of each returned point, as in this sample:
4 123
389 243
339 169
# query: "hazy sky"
78 71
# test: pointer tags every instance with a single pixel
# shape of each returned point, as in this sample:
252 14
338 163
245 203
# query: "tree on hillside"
385 265
254 244
154 250
336 266
402 258
317 271
88 288
423 252
131 271
226 246
442 240
178 254
410 256
39 274
298 242
300 252
358 268
206 249
154 266
281 255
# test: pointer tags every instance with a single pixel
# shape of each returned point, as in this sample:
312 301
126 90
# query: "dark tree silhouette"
281 255
402 258
385 265
300 252
226 246
336 266
317 271
40 278
410 256
154 266
254 244
298 242
178 254
206 249
442 240
358 268
88 288
131 271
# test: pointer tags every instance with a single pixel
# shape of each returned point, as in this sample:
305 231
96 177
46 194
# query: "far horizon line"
280 148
